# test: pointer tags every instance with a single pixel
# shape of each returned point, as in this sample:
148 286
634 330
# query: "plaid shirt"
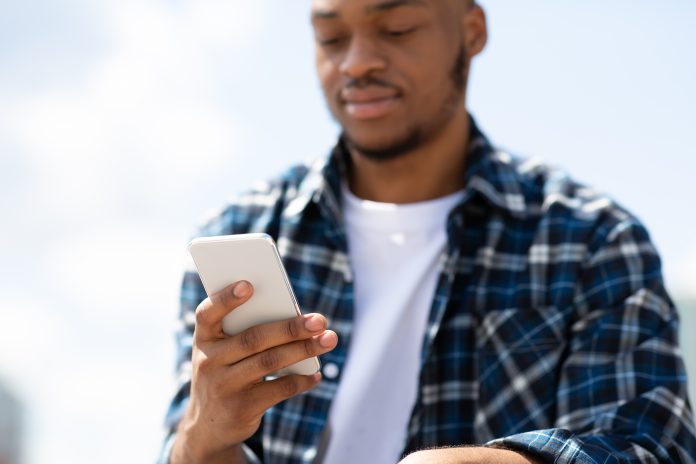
550 330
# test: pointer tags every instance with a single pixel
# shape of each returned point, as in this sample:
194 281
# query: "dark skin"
411 50
228 393
394 74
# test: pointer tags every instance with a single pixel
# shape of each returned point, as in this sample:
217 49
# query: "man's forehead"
333 8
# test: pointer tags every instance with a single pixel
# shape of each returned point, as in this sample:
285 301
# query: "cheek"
327 73
434 82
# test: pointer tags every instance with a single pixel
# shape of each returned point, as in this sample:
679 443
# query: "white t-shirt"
395 251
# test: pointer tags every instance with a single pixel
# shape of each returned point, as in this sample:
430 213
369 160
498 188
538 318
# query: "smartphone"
225 259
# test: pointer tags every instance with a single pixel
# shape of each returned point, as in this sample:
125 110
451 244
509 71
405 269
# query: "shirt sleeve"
622 395
192 293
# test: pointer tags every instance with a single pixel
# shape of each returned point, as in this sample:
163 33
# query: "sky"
123 124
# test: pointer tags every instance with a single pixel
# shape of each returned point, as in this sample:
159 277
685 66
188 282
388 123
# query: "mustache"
367 81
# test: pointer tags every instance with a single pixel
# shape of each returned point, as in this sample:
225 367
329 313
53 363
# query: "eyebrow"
371 9
392 4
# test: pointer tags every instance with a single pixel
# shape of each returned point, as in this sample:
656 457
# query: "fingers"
267 394
212 310
265 336
254 368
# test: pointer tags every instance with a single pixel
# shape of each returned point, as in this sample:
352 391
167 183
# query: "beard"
417 135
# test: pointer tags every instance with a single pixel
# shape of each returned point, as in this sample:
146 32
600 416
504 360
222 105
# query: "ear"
475 29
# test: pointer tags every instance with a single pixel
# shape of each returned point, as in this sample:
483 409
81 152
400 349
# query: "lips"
370 102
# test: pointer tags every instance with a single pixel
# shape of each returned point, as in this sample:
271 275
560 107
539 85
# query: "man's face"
393 71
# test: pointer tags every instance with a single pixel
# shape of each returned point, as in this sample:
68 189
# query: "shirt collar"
495 175
491 174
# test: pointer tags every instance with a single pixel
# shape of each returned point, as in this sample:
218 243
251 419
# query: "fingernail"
327 339
317 376
313 322
241 289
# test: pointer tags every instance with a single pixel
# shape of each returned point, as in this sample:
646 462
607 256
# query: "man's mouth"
369 103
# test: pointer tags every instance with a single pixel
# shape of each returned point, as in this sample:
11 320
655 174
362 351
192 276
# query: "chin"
383 148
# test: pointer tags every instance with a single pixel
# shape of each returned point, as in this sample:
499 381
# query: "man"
483 308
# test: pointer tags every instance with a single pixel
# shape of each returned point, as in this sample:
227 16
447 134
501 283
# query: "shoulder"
557 201
257 209
582 228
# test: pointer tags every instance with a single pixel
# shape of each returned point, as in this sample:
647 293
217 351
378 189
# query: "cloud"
147 113
108 274
100 171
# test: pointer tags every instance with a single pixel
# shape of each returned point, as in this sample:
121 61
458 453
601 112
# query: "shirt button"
330 370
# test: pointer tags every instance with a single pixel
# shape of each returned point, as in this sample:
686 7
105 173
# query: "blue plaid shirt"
550 330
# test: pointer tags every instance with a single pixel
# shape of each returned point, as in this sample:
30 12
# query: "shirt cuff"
556 446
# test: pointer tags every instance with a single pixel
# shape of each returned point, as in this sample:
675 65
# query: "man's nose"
362 58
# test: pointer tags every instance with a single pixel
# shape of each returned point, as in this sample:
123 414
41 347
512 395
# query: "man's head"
394 72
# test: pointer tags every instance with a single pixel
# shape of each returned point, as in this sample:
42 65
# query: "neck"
433 170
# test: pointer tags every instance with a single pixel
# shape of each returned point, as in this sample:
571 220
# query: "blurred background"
122 123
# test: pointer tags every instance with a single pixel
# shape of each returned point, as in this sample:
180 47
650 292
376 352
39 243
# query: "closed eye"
400 32
329 41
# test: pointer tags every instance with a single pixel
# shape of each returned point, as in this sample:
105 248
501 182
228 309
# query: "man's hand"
228 394
468 455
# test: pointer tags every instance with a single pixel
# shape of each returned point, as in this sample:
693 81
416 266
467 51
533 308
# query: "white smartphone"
223 260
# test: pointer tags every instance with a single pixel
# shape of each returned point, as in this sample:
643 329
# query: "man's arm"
192 293
225 396
468 455
622 395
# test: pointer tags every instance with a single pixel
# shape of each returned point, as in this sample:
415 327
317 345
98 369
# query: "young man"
483 308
